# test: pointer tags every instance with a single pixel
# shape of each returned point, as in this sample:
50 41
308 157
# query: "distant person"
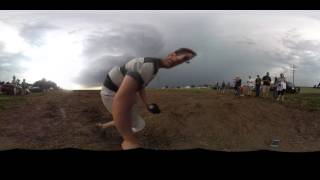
250 85
1 83
217 87
258 85
24 87
266 85
14 85
122 85
223 87
14 80
18 86
281 87
274 87
238 86
234 86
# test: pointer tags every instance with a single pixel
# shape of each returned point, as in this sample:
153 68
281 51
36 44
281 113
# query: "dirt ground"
189 119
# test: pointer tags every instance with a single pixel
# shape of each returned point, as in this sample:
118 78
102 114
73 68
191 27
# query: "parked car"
35 89
292 89
289 88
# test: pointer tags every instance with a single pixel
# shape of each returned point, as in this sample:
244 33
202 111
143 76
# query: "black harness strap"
155 61
123 70
109 84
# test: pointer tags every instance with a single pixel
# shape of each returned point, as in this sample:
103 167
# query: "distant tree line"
45 85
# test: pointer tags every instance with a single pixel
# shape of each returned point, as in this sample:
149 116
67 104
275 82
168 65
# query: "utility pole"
293 70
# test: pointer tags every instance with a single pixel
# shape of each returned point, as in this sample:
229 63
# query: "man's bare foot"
127 145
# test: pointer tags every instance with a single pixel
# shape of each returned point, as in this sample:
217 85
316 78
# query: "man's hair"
185 50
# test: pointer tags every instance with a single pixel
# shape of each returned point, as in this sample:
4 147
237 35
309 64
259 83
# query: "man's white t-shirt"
250 82
143 70
282 85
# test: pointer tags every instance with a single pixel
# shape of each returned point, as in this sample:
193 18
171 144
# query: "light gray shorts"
137 121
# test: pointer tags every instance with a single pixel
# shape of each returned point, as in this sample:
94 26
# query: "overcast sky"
75 49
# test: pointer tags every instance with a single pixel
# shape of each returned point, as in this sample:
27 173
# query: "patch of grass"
309 101
36 94
3 101
6 101
308 98
309 90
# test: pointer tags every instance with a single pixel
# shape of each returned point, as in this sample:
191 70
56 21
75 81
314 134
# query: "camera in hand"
153 108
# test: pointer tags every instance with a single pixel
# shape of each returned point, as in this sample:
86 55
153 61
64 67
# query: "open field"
190 118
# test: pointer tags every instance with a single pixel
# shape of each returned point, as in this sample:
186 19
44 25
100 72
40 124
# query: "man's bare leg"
106 125
124 127
122 105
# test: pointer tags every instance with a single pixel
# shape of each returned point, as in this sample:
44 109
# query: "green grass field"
6 101
308 98
309 90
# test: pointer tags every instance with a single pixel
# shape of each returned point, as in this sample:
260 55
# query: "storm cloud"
105 49
33 33
10 64
228 43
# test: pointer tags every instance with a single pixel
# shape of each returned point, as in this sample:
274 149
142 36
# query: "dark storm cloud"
303 53
137 40
10 64
105 49
228 43
33 33
95 74
248 57
306 56
157 39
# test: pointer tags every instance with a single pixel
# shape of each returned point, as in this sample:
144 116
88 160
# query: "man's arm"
153 108
143 97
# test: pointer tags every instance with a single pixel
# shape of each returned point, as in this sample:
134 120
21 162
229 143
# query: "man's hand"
153 108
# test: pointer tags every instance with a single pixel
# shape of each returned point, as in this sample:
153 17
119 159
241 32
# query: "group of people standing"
261 87
221 88
15 87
